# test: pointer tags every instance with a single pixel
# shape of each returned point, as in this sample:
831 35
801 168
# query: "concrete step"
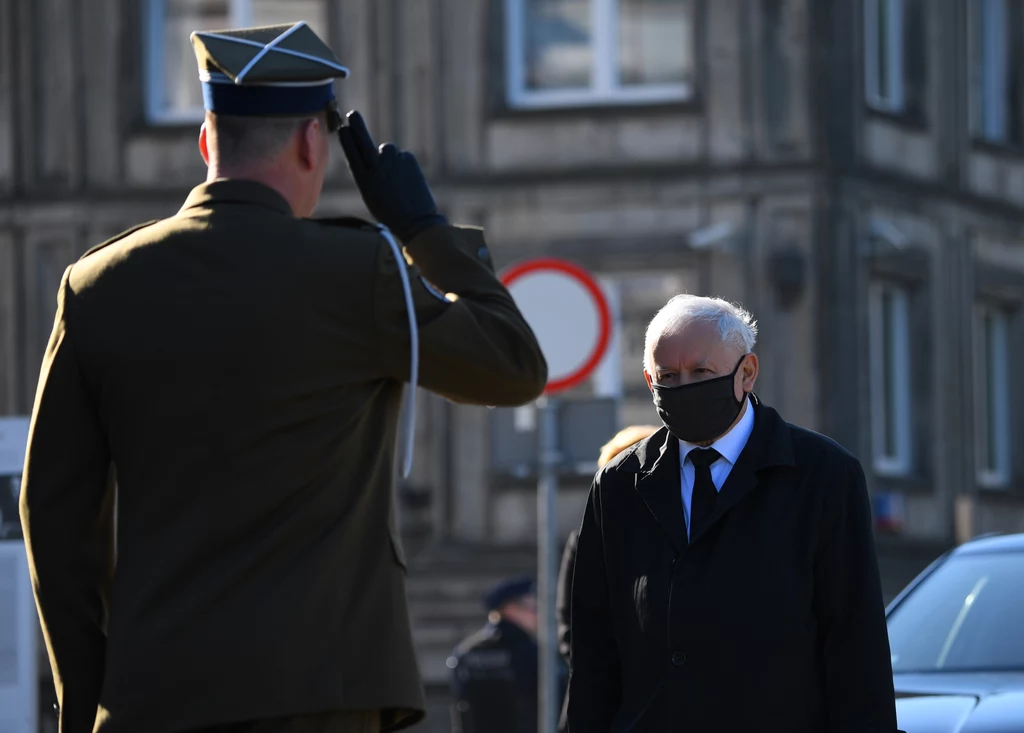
444 589
446 612
447 636
456 557
438 635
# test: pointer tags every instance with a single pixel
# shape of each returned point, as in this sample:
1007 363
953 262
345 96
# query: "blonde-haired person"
625 438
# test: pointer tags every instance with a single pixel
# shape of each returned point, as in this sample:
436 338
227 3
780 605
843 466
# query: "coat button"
678 659
483 254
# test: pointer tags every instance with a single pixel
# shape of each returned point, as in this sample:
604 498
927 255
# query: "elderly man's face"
695 352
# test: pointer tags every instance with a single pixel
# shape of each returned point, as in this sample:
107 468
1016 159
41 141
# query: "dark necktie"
702 501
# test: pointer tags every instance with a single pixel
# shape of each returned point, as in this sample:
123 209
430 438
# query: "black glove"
390 181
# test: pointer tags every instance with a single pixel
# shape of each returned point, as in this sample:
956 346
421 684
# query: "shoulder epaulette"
118 237
351 222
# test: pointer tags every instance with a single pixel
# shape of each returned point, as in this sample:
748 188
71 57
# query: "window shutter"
1015 73
775 71
915 58
497 56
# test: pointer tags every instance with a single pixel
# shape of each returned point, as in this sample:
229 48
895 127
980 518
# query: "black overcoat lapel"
769 445
659 484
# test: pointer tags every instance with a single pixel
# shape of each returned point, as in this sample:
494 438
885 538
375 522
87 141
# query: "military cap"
508 590
277 70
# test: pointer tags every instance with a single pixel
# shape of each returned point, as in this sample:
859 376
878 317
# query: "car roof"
992 544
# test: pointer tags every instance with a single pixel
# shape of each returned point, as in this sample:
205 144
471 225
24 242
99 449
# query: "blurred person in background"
242 369
620 441
10 523
494 671
725 576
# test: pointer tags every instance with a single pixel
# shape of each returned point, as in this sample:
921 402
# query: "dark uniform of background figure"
242 369
10 527
494 672
620 441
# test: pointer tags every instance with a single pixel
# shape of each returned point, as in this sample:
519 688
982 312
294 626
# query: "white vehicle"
19 655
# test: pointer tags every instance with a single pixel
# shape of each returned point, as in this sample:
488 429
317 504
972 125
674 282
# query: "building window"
996 103
578 52
173 92
883 54
992 396
889 318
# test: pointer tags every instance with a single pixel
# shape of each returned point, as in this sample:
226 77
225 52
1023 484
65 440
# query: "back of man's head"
268 92
289 154
247 141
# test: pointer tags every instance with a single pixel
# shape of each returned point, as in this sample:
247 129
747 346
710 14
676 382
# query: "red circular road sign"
567 311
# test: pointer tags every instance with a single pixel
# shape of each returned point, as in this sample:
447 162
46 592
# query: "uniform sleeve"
67 517
475 345
595 685
851 615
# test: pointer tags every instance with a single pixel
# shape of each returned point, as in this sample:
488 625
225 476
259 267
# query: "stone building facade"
849 170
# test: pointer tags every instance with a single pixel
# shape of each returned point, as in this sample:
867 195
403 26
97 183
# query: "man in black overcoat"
725 576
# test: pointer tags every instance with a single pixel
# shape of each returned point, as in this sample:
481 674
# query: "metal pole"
547 571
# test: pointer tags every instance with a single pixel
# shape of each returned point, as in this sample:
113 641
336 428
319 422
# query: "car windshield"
967 615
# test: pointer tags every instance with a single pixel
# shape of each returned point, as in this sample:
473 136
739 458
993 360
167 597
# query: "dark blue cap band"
508 590
265 101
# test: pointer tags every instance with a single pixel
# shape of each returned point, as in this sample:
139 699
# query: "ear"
204 149
309 143
748 374
650 382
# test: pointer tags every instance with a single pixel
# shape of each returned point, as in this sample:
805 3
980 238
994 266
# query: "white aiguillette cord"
407 422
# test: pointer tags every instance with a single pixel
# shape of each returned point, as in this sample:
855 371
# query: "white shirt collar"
732 443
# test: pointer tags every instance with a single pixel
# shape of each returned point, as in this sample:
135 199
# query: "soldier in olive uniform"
241 367
494 671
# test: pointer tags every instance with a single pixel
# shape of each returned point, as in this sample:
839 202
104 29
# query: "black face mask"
702 411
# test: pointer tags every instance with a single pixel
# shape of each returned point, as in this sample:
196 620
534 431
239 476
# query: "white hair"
736 326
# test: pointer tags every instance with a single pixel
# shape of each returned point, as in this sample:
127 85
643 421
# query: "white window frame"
895 357
603 89
240 16
895 101
989 119
992 368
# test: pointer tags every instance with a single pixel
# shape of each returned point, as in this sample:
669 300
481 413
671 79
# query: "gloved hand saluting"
390 181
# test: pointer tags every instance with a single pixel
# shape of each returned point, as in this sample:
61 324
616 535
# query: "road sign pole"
568 312
548 561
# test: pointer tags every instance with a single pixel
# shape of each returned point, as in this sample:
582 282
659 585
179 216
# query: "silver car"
957 639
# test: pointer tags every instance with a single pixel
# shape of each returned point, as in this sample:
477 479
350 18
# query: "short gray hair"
245 139
736 325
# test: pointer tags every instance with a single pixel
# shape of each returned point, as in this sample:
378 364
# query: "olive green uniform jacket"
241 370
